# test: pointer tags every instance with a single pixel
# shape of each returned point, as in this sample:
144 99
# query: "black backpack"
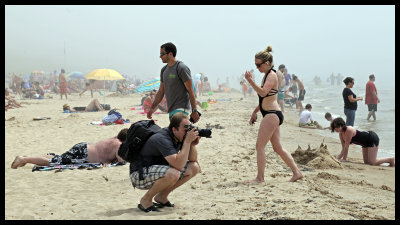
137 135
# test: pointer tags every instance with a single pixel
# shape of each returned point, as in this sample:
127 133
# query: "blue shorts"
182 110
281 96
301 94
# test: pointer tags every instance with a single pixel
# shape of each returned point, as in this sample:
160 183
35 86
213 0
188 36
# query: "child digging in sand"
306 116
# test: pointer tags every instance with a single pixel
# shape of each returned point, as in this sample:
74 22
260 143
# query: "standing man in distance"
281 86
302 92
371 97
63 84
176 84
288 79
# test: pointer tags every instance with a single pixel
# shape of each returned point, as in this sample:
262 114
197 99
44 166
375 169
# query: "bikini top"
272 91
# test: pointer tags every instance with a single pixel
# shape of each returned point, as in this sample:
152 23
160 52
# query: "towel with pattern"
88 166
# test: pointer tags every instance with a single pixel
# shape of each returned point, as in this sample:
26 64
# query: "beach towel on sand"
88 166
120 121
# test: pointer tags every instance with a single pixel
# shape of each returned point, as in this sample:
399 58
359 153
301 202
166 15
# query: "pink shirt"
370 98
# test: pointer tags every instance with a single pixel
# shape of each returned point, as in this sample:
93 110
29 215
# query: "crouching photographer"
167 160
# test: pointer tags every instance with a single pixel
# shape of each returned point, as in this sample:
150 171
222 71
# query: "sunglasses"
258 65
163 53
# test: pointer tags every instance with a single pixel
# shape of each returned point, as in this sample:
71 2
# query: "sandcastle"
318 158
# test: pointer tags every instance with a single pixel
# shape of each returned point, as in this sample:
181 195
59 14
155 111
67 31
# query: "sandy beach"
329 190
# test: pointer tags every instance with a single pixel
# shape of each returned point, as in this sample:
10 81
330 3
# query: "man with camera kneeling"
167 160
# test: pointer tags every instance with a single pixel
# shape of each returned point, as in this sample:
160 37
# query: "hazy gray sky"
220 41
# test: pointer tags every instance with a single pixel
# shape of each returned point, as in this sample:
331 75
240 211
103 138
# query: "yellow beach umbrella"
104 74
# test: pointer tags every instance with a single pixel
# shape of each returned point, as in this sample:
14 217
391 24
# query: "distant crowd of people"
43 85
332 79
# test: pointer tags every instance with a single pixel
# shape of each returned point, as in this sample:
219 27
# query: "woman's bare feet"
18 162
255 181
296 177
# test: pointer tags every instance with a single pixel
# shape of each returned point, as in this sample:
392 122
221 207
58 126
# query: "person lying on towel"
104 151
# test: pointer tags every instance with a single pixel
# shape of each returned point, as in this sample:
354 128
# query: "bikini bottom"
278 113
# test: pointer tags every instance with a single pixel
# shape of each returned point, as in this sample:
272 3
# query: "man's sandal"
162 205
149 209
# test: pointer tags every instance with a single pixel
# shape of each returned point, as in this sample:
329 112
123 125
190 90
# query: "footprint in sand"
279 175
327 176
362 182
384 187
11 119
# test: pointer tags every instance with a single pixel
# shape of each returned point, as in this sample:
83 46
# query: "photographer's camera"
202 132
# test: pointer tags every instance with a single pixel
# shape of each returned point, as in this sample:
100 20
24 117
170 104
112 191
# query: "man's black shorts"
372 107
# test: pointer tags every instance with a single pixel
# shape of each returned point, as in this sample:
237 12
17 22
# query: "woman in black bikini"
272 116
369 142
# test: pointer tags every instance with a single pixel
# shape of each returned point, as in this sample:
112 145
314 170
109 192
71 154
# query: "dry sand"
329 190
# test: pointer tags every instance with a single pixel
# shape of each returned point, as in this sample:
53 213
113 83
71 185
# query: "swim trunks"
281 94
301 94
372 107
182 110
77 154
63 88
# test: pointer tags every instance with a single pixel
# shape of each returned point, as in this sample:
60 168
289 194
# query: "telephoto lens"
205 133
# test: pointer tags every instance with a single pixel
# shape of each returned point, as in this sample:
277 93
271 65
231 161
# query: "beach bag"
114 111
112 116
137 135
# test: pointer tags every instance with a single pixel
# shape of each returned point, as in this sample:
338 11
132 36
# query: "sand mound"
318 158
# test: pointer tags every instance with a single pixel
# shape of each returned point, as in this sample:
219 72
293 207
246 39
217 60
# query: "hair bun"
269 49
